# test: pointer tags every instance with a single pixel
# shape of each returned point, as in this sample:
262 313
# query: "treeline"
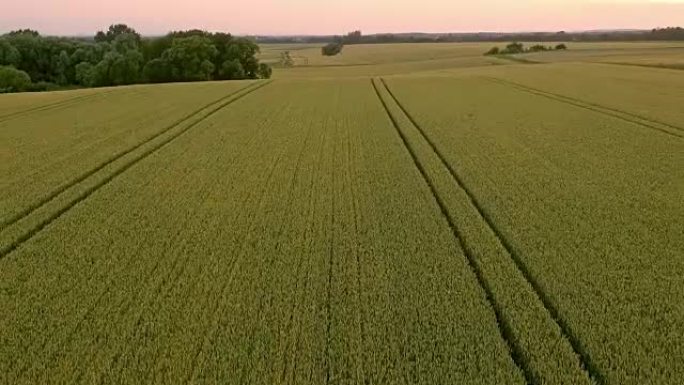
119 55
518 48
658 34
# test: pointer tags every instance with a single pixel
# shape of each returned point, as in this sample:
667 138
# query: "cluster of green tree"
332 49
671 33
121 56
516 48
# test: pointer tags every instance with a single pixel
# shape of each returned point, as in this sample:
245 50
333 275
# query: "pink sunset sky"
282 17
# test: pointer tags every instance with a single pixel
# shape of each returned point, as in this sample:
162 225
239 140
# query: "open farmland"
416 214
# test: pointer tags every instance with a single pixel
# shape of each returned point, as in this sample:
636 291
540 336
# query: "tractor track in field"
504 328
217 106
177 270
585 359
37 205
148 278
672 67
629 117
53 105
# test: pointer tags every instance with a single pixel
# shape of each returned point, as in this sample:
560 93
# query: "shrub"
493 51
265 71
13 80
286 60
513 48
43 86
560 47
332 49
538 48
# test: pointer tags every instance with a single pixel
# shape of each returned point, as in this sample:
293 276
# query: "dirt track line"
55 193
503 326
515 59
567 332
53 105
608 111
675 67
5 250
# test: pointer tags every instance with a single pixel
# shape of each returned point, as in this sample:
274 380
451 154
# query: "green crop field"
397 214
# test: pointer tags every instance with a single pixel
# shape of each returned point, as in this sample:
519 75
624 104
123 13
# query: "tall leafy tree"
114 31
190 58
9 55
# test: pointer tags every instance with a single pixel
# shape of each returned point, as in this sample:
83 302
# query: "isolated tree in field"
332 49
286 60
493 51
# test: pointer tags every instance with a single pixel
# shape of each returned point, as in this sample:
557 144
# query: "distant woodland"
120 55
356 37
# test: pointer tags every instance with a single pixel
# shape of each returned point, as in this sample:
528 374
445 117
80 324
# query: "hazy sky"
335 17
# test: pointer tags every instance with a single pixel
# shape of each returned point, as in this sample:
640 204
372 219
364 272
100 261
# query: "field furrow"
643 94
536 340
27 104
665 128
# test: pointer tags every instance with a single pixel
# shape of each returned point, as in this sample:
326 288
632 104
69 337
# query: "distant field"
394 59
416 214
379 59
